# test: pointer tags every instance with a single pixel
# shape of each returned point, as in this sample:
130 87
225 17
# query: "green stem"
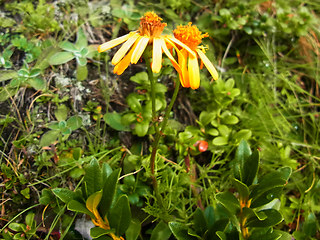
163 125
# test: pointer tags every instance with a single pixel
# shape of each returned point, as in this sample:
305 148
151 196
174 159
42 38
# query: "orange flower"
192 37
135 43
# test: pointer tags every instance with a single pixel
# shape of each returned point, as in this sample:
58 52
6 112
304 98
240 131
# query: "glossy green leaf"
49 138
242 154
133 231
242 189
120 215
229 201
76 206
273 218
230 120
108 191
17 227
161 232
244 134
106 171
310 225
96 232
61 58
30 220
218 226
199 222
23 73
180 231
93 178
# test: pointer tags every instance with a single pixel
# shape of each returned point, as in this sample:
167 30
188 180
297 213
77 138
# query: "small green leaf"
37 83
74 122
242 134
17 227
161 232
49 138
220 141
30 220
134 103
230 120
61 58
141 128
23 73
114 120
206 117
243 153
120 215
35 72
61 113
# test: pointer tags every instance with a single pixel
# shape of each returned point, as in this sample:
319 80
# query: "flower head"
135 43
192 37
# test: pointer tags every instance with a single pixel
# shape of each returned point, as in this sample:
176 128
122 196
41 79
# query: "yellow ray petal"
194 73
156 55
124 49
182 58
115 42
139 49
124 63
169 55
181 45
208 64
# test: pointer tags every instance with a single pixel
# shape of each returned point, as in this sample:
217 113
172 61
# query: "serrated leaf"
108 192
61 58
93 178
120 215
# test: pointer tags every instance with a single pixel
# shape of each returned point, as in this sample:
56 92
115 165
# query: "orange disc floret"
151 25
189 35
